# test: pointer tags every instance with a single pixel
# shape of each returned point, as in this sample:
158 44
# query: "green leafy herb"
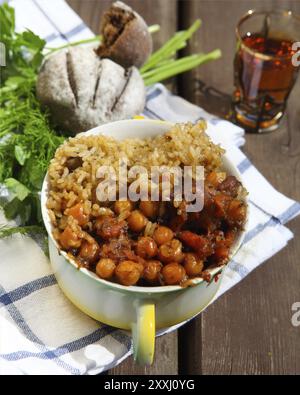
27 139
16 188
21 155
37 232
28 210
7 231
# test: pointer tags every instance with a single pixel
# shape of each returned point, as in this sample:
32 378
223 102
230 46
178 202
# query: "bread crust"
132 44
83 91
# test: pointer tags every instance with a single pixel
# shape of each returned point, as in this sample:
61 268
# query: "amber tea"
264 76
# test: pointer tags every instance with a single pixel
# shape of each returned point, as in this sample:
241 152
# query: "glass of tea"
265 67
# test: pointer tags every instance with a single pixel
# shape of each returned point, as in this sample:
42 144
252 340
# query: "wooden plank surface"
249 329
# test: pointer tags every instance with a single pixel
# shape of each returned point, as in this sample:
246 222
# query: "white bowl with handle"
143 310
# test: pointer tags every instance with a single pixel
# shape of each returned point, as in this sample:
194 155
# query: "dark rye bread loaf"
83 91
126 38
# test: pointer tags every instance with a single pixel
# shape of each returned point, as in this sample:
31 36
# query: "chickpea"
173 273
105 268
122 205
171 251
136 221
146 247
152 270
128 272
69 239
140 267
77 213
162 235
149 209
89 251
193 265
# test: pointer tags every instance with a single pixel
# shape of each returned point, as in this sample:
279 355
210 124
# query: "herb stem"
179 66
73 44
178 41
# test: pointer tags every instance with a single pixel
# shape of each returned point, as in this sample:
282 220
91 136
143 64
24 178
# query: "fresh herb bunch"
27 140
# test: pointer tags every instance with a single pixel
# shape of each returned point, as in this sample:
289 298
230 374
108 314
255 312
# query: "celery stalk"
173 45
180 66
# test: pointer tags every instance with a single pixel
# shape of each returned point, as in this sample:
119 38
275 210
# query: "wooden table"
248 330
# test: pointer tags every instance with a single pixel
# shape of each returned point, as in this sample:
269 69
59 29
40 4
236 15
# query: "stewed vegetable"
105 268
152 270
171 251
89 251
173 273
137 221
193 265
146 247
137 243
129 272
163 235
149 209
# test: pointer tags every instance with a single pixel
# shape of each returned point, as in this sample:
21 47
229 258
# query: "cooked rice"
184 144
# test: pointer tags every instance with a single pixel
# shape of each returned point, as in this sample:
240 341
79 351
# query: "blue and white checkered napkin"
41 332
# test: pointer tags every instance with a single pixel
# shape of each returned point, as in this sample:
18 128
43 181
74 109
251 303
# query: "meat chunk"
73 163
117 249
108 227
230 186
89 251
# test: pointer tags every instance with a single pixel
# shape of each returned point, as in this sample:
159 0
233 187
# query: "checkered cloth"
41 332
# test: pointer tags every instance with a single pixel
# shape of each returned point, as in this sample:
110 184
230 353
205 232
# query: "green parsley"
28 140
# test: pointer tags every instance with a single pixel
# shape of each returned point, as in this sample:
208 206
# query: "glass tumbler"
266 65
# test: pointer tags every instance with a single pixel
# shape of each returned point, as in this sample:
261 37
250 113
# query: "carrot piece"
77 213
198 243
221 202
69 239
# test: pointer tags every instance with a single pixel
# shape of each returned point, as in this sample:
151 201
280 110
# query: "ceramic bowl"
143 310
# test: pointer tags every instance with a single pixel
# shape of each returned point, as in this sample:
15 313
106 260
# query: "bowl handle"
143 332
